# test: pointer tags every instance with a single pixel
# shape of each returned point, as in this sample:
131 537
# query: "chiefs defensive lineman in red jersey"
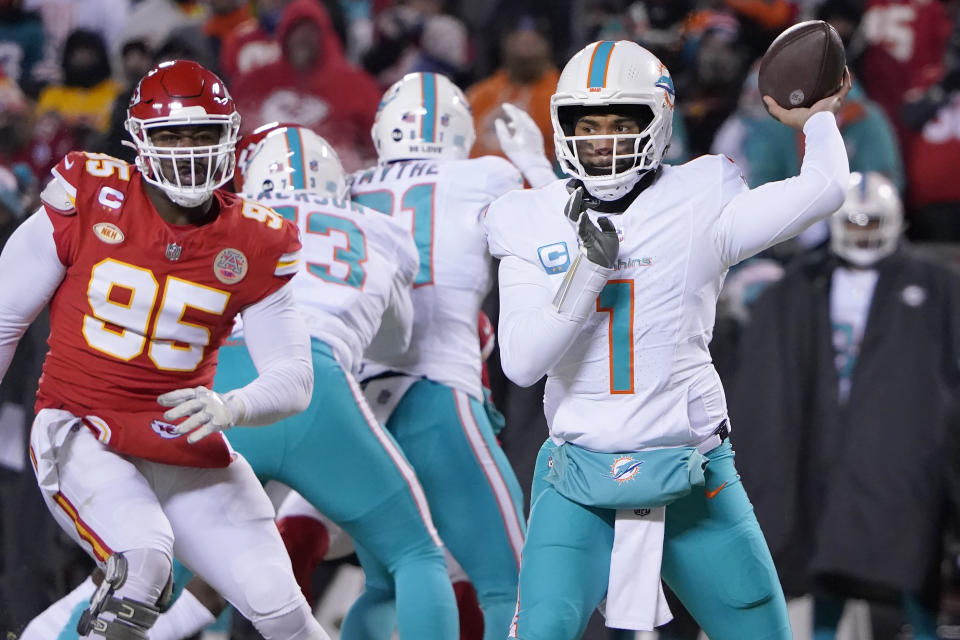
145 269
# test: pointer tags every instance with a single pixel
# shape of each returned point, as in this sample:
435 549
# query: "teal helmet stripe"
297 169
599 62
428 125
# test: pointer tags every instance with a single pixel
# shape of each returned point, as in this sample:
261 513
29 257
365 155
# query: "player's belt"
384 376
721 433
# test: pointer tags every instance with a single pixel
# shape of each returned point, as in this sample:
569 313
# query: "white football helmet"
613 77
867 227
280 157
423 115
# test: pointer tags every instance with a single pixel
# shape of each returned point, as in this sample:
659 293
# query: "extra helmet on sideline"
182 93
867 227
613 77
423 115
289 157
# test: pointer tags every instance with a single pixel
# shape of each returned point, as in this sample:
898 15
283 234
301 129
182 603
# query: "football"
804 64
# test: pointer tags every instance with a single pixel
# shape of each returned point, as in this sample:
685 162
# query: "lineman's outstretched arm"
522 142
279 345
30 272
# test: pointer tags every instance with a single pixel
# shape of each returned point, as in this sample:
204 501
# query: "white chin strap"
187 200
610 189
864 258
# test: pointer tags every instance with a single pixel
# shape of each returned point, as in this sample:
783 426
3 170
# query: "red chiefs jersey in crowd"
904 38
145 304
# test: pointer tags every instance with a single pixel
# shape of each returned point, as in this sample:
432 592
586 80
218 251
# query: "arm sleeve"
279 346
533 336
31 249
759 218
396 325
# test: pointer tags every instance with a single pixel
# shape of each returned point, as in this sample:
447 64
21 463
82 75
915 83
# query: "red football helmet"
183 93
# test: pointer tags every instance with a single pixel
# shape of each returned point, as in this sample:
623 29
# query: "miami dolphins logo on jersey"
625 468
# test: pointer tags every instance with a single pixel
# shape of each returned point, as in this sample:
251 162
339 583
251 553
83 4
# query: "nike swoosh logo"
67 163
713 494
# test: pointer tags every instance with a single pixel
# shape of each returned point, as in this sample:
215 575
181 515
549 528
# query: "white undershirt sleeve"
30 273
532 335
279 346
760 218
396 324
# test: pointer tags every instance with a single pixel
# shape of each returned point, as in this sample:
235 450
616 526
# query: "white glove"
208 410
522 142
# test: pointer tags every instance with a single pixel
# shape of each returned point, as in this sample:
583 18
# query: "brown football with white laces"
804 64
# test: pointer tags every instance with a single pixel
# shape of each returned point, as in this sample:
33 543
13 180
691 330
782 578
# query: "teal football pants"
714 558
336 456
474 497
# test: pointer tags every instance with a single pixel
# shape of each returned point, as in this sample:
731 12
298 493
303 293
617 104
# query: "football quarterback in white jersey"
430 396
608 286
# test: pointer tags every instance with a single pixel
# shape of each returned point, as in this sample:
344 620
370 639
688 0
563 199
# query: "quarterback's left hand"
521 139
208 410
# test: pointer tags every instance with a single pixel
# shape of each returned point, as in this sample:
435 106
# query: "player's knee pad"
121 609
296 623
549 620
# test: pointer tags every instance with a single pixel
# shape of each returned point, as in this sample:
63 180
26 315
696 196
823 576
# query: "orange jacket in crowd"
487 95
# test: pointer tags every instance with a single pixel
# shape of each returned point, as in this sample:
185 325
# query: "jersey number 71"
419 201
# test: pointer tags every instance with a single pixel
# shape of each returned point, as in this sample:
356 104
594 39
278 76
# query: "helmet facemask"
867 227
187 175
862 238
632 154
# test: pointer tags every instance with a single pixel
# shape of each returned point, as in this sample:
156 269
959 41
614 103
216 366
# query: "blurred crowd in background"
69 67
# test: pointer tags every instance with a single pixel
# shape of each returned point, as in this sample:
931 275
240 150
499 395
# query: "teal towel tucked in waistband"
630 480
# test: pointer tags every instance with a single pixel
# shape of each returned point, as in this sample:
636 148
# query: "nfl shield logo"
173 252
